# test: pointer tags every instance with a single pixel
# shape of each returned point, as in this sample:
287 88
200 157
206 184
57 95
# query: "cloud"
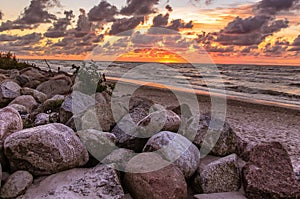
161 20
296 42
273 7
59 28
125 24
103 12
169 8
218 49
139 7
179 24
37 12
1 15
274 50
250 31
6 37
248 25
83 24
32 16
144 40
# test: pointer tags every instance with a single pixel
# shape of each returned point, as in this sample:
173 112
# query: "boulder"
98 182
269 173
27 101
75 103
119 158
211 135
45 149
58 85
129 135
10 122
176 149
217 175
41 119
164 120
99 117
9 90
53 104
38 96
143 180
226 195
16 184
20 108
98 143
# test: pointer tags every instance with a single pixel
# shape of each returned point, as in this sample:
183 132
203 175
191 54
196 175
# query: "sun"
152 55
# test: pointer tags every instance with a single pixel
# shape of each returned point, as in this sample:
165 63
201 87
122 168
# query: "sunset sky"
227 31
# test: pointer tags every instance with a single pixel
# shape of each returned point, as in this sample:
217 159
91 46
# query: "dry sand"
252 121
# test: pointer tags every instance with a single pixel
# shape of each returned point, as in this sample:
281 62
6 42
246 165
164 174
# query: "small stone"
16 184
53 104
216 175
41 119
38 96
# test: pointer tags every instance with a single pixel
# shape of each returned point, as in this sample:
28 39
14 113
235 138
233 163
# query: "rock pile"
59 143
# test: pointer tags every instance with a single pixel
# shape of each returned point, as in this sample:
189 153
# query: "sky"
198 31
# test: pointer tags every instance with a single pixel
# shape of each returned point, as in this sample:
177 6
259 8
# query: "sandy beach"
253 122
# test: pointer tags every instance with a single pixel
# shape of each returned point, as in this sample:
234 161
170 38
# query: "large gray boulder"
58 85
162 120
212 135
269 173
38 96
74 104
27 101
98 182
144 181
216 175
98 143
16 184
129 135
176 149
10 122
9 90
45 149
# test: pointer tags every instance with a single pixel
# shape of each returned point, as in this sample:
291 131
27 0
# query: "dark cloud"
272 7
179 24
59 28
248 25
144 40
160 20
297 41
139 7
250 31
83 24
218 49
125 24
33 16
274 50
103 12
37 12
169 8
6 37
1 15
22 41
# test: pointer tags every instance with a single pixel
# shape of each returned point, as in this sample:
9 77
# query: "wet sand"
253 121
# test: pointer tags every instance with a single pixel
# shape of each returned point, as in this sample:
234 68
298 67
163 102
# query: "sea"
264 83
